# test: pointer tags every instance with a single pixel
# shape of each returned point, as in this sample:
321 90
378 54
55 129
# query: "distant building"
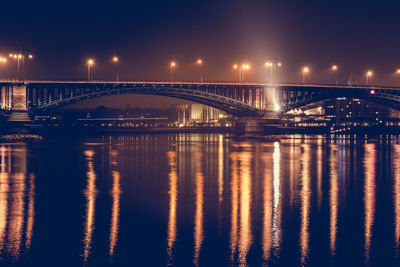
198 113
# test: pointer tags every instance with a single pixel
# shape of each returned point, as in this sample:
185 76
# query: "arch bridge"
239 99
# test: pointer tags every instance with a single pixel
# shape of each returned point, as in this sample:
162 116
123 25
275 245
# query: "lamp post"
115 60
305 71
244 68
90 63
271 65
20 57
369 74
3 60
236 67
334 69
199 62
172 65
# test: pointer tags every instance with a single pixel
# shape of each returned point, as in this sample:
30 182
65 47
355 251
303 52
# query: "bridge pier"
19 112
268 124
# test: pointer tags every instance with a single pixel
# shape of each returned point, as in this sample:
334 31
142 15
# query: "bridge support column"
19 112
249 126
269 124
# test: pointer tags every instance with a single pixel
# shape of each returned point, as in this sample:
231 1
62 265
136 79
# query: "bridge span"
243 99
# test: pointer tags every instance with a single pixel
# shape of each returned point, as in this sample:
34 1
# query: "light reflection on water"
204 199
369 196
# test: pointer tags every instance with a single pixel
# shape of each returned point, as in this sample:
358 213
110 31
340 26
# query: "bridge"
239 99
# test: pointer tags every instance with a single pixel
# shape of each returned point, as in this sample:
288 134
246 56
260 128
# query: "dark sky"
147 35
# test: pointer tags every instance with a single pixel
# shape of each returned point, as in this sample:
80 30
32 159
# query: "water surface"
200 199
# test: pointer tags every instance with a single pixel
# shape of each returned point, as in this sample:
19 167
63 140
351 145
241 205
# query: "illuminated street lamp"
271 65
236 67
115 60
199 62
172 65
398 71
90 63
369 74
18 57
305 71
241 68
334 69
244 68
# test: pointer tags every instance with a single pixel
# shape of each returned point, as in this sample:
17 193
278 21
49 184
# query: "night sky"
147 35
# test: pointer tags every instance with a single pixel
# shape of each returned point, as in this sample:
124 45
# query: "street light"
334 69
236 67
369 74
115 60
90 63
244 68
272 65
305 71
18 57
172 65
398 71
199 62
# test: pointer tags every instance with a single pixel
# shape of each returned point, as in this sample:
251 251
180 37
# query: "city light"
271 65
18 57
90 63
115 60
172 65
268 64
200 63
305 71
241 69
398 71
334 68
369 74
244 68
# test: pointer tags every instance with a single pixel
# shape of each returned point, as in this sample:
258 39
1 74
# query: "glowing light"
15 56
235 66
11 55
30 56
334 67
398 71
90 62
173 64
372 92
268 64
369 73
198 217
199 62
115 59
245 66
173 203
19 56
279 64
306 69
277 107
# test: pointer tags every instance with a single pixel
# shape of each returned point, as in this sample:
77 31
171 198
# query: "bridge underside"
206 97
